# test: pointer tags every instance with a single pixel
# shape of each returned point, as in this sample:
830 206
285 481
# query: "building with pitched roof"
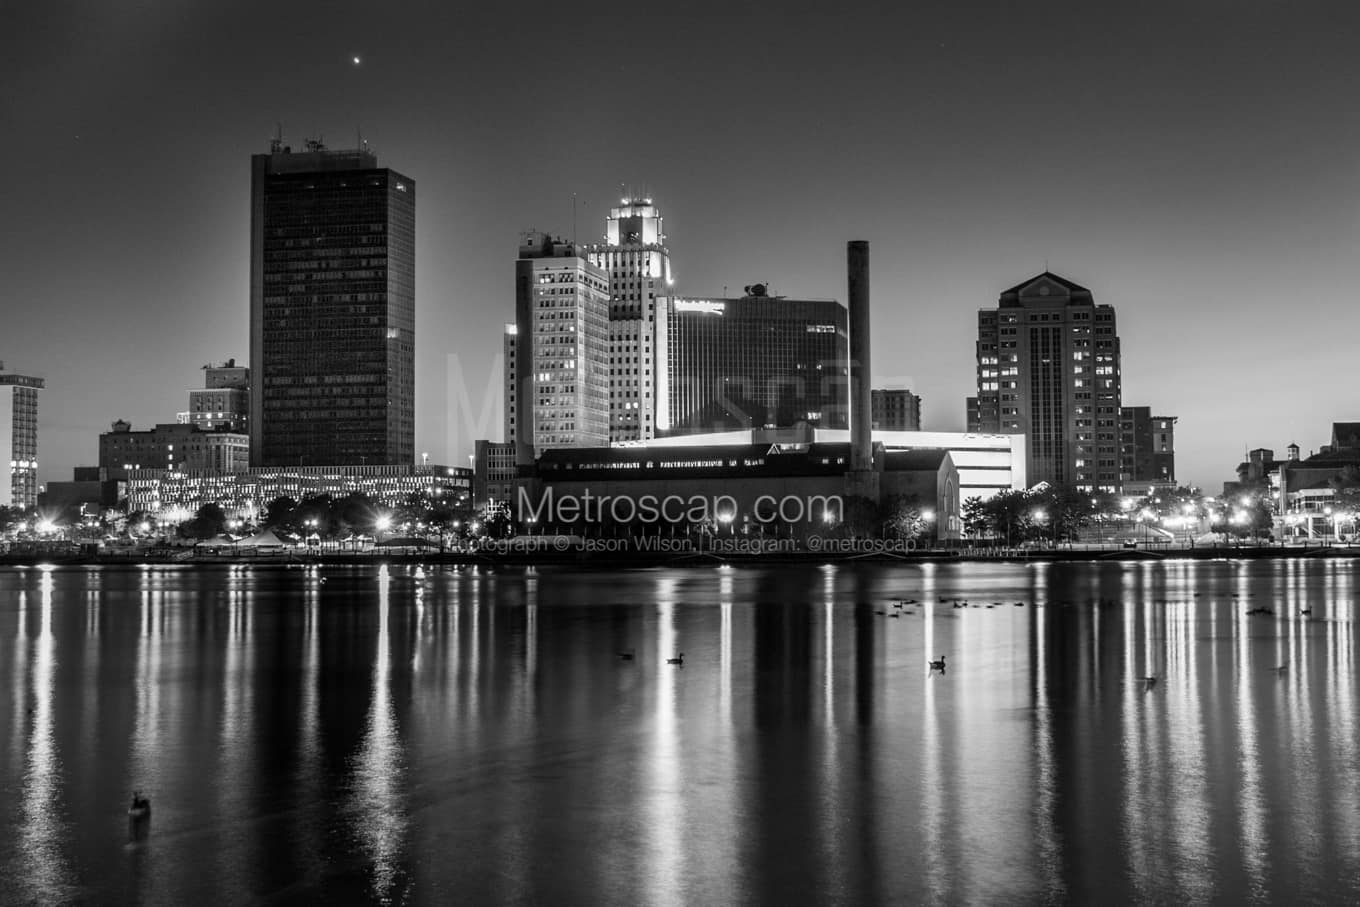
1048 368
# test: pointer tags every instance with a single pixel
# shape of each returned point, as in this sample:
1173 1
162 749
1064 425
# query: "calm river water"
455 735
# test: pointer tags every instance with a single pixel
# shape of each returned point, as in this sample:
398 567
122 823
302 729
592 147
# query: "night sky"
1195 164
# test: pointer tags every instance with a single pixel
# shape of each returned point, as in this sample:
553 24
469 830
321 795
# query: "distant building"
1255 474
19 439
173 446
561 343
987 464
636 263
1147 446
779 489
1048 367
224 400
896 409
758 361
332 309
1319 495
246 494
493 474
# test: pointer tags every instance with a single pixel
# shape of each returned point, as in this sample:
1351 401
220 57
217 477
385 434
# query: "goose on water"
677 660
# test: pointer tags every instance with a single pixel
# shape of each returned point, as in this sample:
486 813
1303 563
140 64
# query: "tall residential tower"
1048 368
332 309
19 439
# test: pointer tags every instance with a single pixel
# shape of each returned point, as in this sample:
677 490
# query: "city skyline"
1207 197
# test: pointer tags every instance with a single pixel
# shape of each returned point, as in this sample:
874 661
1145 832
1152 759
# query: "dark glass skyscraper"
332 309
759 361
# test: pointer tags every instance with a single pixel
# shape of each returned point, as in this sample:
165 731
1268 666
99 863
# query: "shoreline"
622 557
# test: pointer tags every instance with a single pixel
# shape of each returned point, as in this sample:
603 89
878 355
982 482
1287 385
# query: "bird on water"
679 659
938 665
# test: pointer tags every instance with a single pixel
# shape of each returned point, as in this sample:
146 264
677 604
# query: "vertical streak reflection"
725 648
666 807
1049 844
146 740
47 873
833 842
530 637
932 794
1252 812
1190 797
1135 771
20 684
310 769
1341 706
377 815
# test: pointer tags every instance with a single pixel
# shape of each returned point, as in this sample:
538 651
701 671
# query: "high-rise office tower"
637 263
19 439
560 338
759 361
1048 368
332 309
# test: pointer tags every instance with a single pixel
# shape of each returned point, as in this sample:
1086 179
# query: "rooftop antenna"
276 143
573 221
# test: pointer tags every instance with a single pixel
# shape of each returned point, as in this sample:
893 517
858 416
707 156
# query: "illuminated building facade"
171 446
756 362
332 309
987 464
896 409
1048 368
637 265
509 414
19 439
561 337
223 402
246 494
805 481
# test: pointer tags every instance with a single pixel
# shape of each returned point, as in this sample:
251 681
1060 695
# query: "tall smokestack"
861 408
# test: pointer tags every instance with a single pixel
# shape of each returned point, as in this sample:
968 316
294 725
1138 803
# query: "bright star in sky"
357 61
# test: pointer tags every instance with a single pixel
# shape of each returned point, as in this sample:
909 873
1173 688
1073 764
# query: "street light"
1040 517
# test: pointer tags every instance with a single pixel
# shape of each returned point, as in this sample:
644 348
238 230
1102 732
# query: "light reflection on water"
376 811
44 869
419 736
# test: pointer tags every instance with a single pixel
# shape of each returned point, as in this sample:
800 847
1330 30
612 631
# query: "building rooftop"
1037 284
1345 434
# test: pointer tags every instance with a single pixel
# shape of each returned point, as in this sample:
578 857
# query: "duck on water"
139 817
